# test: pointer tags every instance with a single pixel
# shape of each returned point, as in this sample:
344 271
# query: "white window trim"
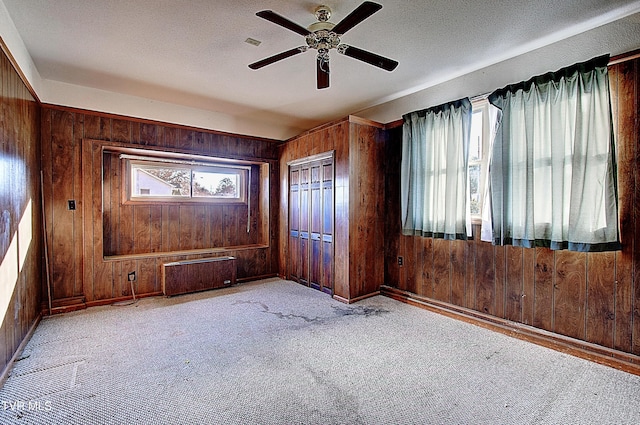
243 171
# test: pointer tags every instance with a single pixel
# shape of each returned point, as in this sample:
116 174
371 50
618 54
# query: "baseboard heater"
182 277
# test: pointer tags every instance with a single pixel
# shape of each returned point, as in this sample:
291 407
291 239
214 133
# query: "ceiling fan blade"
358 15
322 73
368 57
278 57
270 15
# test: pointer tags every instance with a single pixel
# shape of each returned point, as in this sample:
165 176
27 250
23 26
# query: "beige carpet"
275 352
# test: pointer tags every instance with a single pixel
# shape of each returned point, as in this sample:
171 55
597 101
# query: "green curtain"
434 177
552 170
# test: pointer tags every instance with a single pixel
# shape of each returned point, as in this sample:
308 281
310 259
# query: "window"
176 181
553 171
478 154
434 178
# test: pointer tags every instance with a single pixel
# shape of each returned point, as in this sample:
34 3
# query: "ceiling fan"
324 36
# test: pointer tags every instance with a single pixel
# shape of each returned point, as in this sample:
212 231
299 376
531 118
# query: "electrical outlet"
131 276
71 204
400 261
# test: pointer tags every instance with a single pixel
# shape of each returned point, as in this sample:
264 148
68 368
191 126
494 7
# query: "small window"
174 182
478 154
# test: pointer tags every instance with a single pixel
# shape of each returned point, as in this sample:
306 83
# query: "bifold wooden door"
311 222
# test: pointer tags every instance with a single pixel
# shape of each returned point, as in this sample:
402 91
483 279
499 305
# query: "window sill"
226 249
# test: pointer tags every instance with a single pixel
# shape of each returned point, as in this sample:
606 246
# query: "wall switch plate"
71 204
400 261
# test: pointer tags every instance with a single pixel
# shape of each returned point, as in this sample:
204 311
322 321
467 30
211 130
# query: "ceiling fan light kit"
324 36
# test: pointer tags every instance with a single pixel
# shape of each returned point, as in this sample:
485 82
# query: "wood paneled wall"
149 228
359 188
80 272
592 297
20 212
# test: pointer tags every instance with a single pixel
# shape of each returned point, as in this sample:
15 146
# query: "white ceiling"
192 53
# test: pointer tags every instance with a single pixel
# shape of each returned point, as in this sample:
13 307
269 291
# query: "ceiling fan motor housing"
323 40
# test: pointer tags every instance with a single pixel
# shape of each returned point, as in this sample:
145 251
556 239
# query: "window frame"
481 105
130 162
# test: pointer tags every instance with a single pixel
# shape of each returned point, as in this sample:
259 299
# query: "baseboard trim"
252 278
356 299
68 305
109 301
7 370
613 358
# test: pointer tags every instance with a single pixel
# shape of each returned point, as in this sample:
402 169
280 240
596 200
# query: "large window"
553 171
174 181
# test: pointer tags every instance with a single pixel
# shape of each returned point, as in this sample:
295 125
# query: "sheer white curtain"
435 156
552 169
486 231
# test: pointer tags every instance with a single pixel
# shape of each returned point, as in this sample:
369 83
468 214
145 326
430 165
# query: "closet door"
315 277
327 226
311 223
294 223
303 241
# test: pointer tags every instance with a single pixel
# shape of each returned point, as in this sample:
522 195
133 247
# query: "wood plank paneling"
632 101
600 299
174 242
102 277
441 270
426 257
485 278
91 126
21 248
544 289
62 247
187 224
342 197
142 228
47 193
513 283
459 260
149 134
392 155
365 209
156 229
410 266
500 282
570 294
624 117
471 278
528 285
78 288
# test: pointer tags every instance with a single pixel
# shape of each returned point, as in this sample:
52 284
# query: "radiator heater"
182 277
